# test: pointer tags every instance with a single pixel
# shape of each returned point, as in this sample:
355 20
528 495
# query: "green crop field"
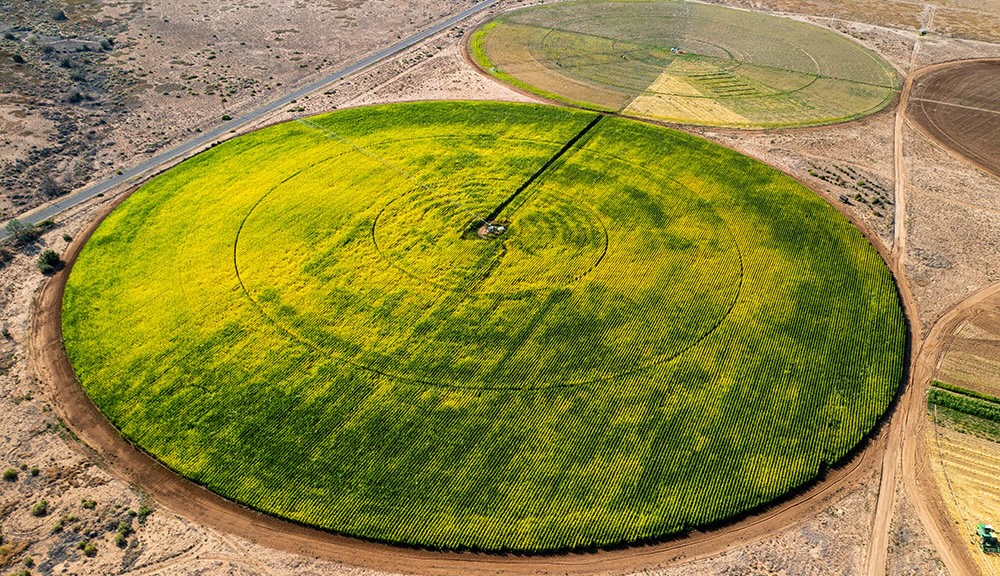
685 62
313 320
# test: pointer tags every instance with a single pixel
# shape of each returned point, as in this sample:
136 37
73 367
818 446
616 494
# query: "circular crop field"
485 326
685 62
959 106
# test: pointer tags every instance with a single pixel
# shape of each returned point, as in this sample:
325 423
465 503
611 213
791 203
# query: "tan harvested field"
959 106
967 468
952 218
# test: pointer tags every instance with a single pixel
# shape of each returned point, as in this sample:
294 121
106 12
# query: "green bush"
10 475
89 548
21 232
965 391
48 261
40 509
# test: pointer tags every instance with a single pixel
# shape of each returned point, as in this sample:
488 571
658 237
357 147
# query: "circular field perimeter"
959 106
685 62
486 326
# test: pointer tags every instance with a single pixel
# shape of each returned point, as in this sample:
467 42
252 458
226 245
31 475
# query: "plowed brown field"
959 107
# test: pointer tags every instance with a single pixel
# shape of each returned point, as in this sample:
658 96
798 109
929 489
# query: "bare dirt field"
949 227
953 222
972 359
957 106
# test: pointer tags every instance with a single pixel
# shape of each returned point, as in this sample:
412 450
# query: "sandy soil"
953 226
950 226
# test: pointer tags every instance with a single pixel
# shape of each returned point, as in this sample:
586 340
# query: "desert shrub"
10 475
40 509
88 504
21 232
18 59
47 261
89 548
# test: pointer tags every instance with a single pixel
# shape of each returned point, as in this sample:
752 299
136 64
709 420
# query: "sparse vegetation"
61 524
41 508
88 548
10 475
123 532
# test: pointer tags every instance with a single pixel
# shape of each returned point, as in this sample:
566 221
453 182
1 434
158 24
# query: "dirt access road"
905 451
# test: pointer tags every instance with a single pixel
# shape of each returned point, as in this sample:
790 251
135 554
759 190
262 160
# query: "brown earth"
957 106
972 358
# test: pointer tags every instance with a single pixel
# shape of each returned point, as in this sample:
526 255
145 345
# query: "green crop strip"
965 392
664 334
968 404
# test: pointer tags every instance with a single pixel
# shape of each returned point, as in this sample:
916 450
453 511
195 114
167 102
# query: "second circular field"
487 326
685 62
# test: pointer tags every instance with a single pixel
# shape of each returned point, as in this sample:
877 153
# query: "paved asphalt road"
186 148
